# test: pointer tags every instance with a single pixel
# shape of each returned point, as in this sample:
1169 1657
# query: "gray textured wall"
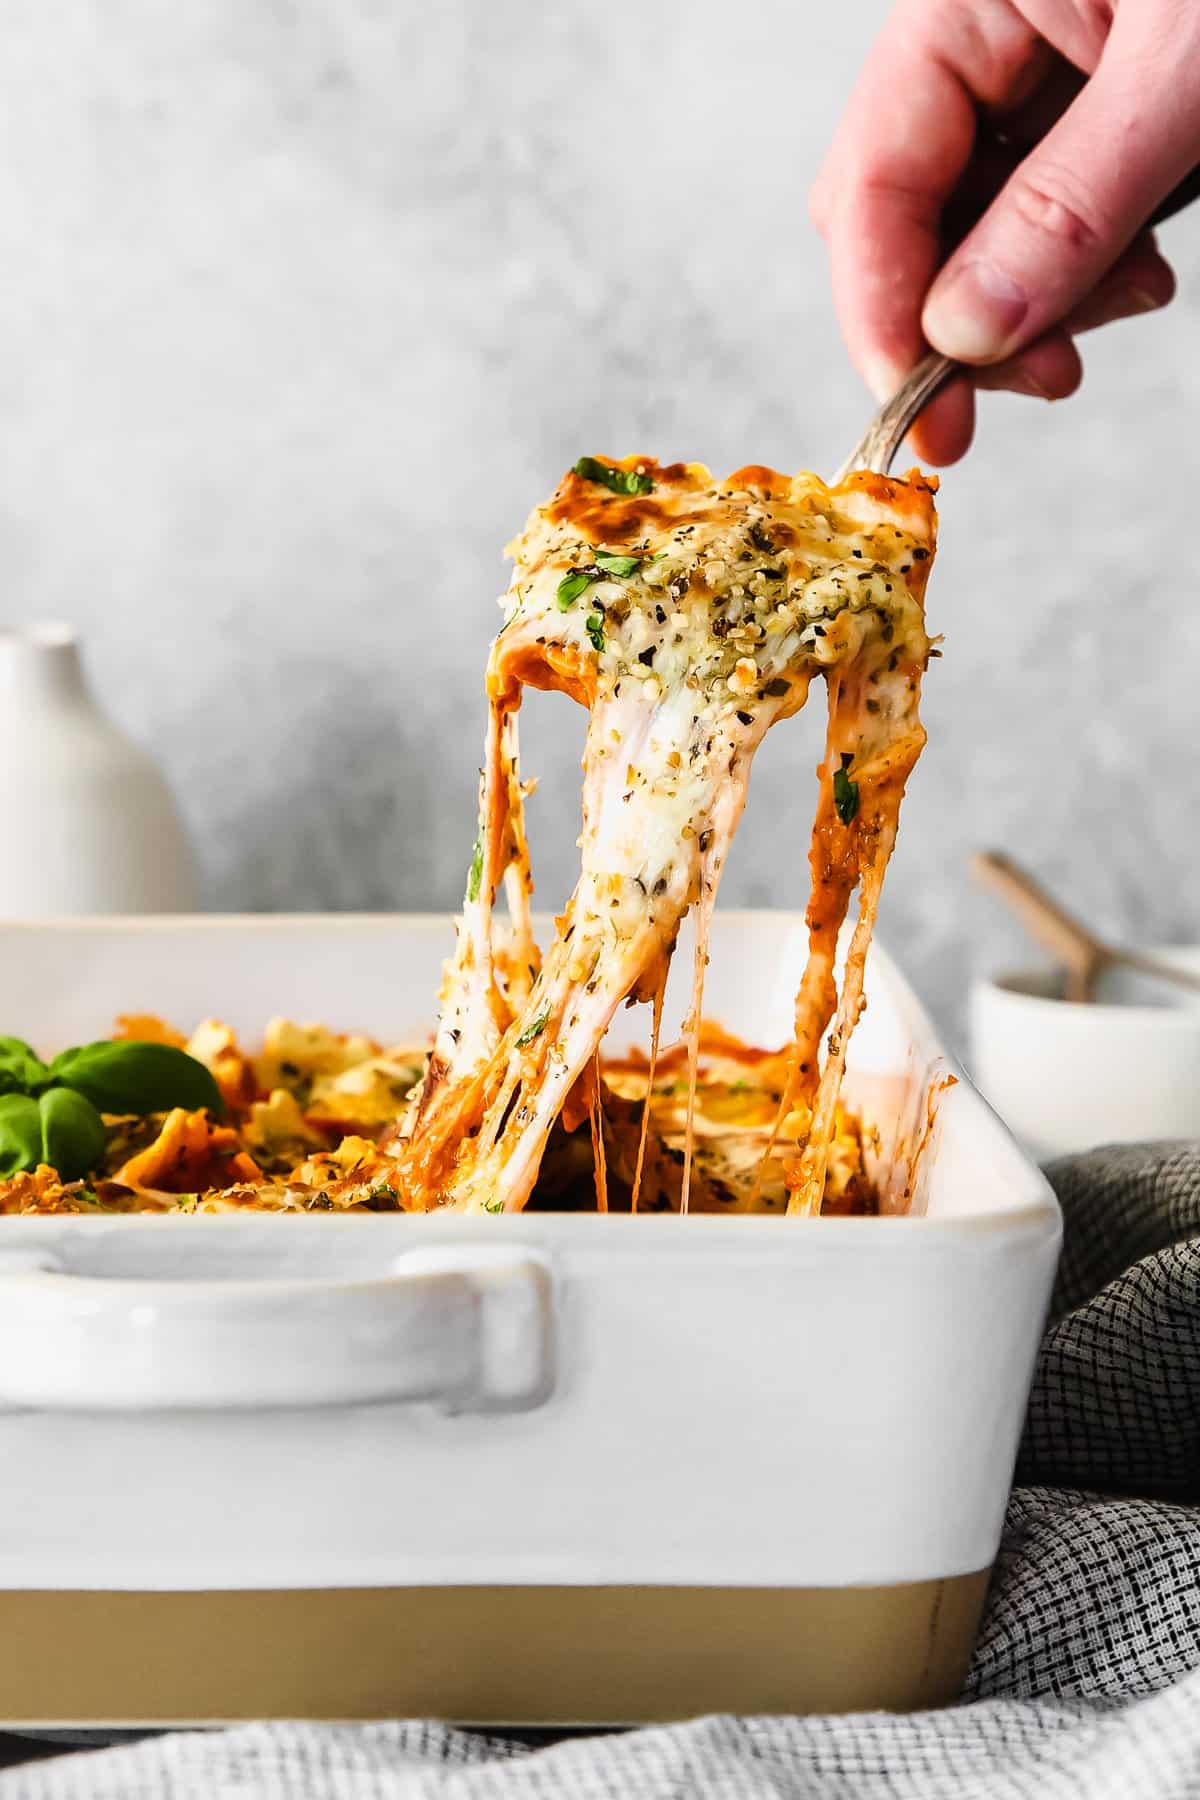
292 291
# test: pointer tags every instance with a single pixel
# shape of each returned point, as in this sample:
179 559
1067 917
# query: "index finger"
904 143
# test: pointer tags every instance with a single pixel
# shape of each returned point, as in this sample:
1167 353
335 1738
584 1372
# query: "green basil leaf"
475 872
533 1031
20 1134
571 586
133 1077
594 626
72 1132
845 792
621 566
617 481
21 1068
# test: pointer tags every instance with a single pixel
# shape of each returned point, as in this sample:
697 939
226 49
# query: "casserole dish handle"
469 1327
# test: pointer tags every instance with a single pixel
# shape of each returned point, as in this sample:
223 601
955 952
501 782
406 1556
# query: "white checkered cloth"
1086 1681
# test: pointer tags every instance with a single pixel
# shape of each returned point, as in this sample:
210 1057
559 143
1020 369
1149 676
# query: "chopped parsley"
475 873
594 626
845 792
533 1031
617 481
493 1206
382 1198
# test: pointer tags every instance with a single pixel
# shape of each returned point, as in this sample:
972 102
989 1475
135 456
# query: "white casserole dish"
614 1468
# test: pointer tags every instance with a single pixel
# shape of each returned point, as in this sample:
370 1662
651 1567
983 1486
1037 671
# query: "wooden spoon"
1086 956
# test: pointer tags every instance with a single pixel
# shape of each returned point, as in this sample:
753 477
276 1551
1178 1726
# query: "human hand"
1036 136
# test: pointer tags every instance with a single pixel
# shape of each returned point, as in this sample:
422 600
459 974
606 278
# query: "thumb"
1066 214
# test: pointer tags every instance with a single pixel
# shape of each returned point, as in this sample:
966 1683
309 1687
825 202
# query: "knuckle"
1096 15
1060 204
989 44
908 198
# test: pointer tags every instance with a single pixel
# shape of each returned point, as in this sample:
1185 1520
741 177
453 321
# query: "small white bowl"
1122 1069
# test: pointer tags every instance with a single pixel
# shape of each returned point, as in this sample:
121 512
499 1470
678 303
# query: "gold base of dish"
482 1655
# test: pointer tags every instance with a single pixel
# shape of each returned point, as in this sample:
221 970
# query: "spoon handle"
1044 919
1153 965
891 424
1083 953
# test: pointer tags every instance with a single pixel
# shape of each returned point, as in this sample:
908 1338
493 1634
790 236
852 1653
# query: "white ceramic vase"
88 823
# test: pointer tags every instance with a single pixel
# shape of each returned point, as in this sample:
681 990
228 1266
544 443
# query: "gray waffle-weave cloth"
1086 1680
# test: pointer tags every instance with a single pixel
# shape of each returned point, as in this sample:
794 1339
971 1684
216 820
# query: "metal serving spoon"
879 443
896 417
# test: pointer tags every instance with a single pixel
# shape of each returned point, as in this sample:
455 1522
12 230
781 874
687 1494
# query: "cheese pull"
688 616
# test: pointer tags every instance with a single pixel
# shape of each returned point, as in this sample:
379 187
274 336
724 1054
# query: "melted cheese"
688 617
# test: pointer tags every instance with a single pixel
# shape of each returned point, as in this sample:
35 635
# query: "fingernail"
1025 384
883 377
1140 300
976 313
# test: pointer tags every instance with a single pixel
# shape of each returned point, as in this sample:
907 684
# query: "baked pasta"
300 1125
687 616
